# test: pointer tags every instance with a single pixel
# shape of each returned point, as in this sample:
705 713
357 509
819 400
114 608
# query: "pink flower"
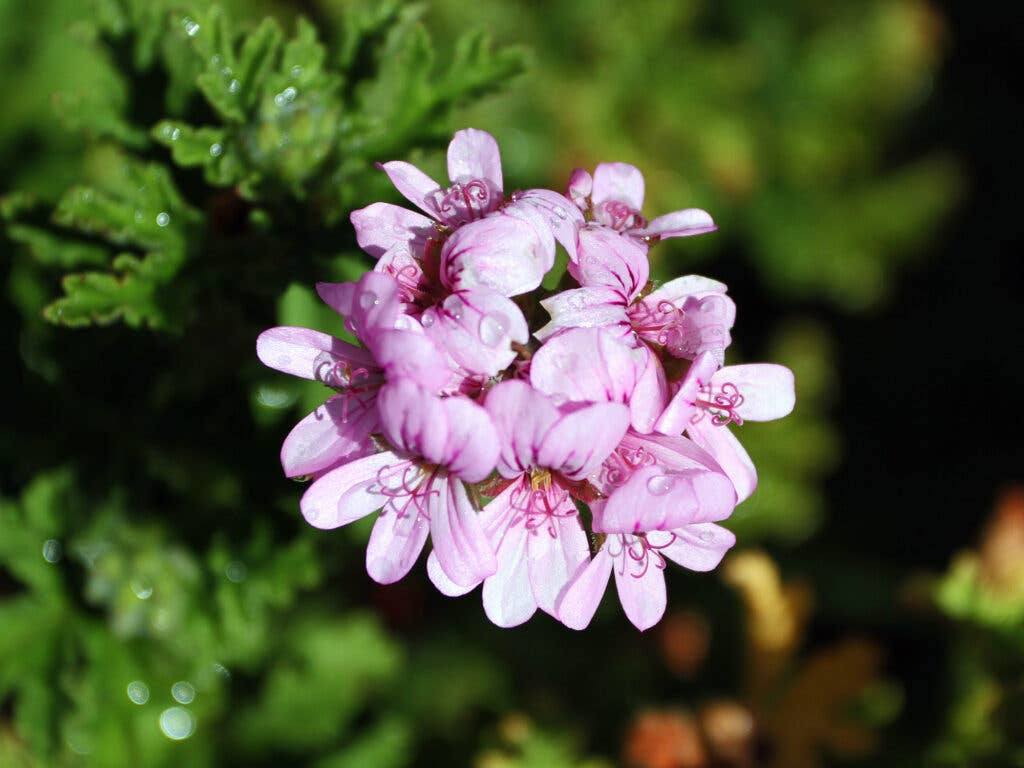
614 197
663 496
533 525
437 445
709 398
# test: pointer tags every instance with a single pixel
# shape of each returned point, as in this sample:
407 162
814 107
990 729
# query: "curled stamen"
623 462
722 406
413 488
638 550
466 201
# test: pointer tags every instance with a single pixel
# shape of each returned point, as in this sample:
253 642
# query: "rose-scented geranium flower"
536 466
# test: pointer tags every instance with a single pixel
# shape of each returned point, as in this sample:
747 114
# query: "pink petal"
577 444
581 184
503 253
440 579
415 186
336 431
508 597
411 355
347 493
384 227
606 258
722 444
586 365
658 499
676 291
311 354
462 549
642 595
650 394
559 215
591 307
472 449
578 603
692 221
473 154
619 182
553 561
767 389
477 327
395 544
681 409
368 304
413 420
699 547
522 417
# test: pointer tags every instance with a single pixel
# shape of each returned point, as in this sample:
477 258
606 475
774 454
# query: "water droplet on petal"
138 692
177 723
492 328
52 551
368 299
183 692
659 485
427 319
216 150
560 212
706 536
163 219
453 306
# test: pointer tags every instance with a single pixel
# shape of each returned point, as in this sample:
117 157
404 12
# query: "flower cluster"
537 465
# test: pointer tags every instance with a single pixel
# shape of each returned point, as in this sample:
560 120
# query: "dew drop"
142 589
191 26
52 551
492 328
368 299
659 485
183 692
177 723
706 536
234 85
560 212
216 150
236 571
138 692
163 219
427 319
453 306
296 70
138 215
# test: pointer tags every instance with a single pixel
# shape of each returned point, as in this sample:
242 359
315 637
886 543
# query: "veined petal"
507 595
383 227
577 443
578 603
767 389
699 547
590 307
368 304
721 443
415 186
471 452
553 561
650 394
312 355
463 551
676 291
503 253
581 184
522 417
562 217
642 594
347 493
413 420
683 405
476 327
691 221
338 430
618 182
395 544
440 579
586 365
473 154
606 258
411 355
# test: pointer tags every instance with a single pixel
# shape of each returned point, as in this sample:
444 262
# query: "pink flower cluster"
538 465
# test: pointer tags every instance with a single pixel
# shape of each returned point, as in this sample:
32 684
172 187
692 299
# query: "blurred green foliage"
179 174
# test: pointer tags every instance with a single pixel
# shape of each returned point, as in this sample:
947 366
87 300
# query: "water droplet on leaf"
52 551
216 150
138 692
163 219
183 692
177 723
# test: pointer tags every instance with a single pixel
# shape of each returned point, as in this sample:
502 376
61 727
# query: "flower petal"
504 253
722 444
606 258
578 603
618 182
650 394
677 291
411 355
577 444
586 365
472 449
338 430
473 154
368 304
476 328
642 594
312 355
581 184
559 215
691 221
591 307
347 493
507 595
699 547
395 544
415 186
413 420
463 551
384 227
522 417
553 561
683 405
440 579
767 389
